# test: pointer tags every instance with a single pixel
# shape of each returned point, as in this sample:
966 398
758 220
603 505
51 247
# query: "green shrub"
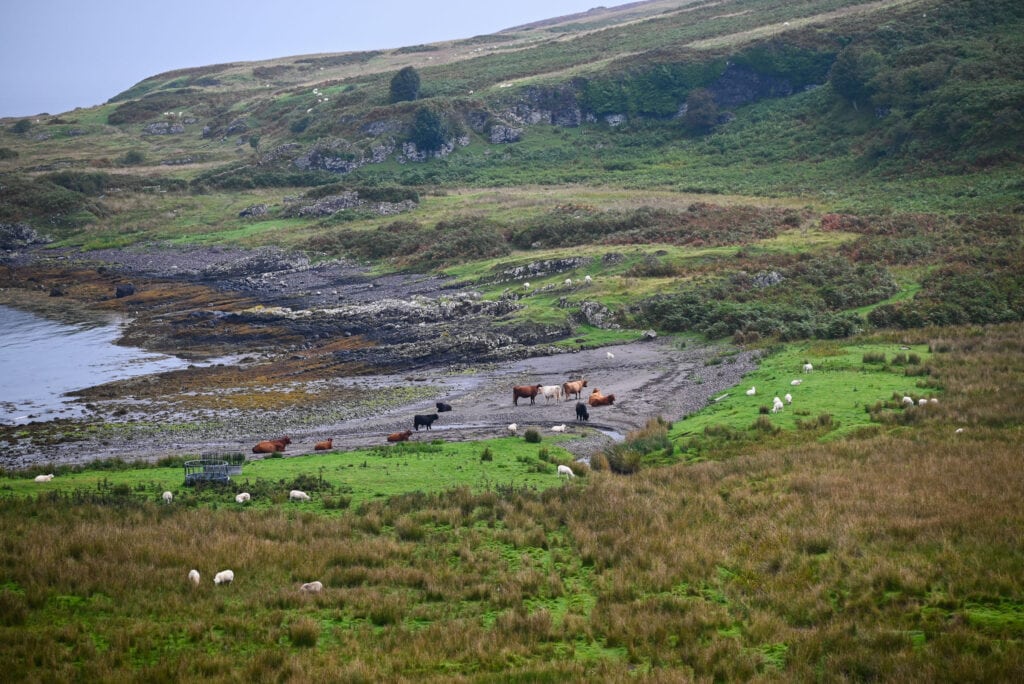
873 357
532 436
487 455
304 633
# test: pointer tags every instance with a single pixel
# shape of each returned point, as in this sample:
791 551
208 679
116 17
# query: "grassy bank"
888 554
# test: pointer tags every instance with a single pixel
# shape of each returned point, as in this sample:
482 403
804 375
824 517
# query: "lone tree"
429 130
405 85
701 111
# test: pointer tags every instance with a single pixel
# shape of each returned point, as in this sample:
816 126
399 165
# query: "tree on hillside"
405 85
852 73
429 130
701 111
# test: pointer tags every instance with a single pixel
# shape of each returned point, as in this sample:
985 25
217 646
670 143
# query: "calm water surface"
41 360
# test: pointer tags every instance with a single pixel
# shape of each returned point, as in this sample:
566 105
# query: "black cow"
442 407
423 419
581 411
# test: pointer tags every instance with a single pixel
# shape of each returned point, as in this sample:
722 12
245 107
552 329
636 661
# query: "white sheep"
752 391
298 495
312 588
168 497
243 497
193 577
777 405
224 577
526 285
44 478
609 355
513 428
568 282
796 383
565 470
933 400
788 398
588 279
908 401
808 367
558 428
958 431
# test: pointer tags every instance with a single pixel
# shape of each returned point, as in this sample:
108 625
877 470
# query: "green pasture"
841 386
357 476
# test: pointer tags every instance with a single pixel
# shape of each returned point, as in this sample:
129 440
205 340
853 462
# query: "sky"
56 55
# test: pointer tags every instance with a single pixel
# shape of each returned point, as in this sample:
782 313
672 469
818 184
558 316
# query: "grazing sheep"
788 398
588 279
581 411
551 392
922 402
796 383
777 405
513 428
400 436
958 431
609 355
808 367
565 470
224 577
298 495
752 391
311 588
168 497
193 577
908 401
44 478
325 445
526 286
243 497
558 428
933 400
568 282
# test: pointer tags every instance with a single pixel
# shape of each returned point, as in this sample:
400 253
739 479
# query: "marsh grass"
890 555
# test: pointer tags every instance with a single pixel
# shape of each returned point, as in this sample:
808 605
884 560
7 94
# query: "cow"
442 407
524 391
581 411
423 419
573 387
325 445
400 436
271 446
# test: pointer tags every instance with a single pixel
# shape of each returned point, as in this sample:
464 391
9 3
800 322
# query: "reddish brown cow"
399 436
598 399
271 446
325 445
524 391
573 387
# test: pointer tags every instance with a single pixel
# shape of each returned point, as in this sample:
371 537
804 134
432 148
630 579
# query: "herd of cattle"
563 392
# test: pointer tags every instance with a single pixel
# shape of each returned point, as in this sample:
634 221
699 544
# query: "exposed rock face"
597 315
332 204
18 235
555 105
739 86
163 128
539 269
254 211
505 134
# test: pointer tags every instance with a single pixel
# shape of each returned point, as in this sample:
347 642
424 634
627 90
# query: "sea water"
42 360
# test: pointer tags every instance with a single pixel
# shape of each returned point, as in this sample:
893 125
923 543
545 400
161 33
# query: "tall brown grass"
895 555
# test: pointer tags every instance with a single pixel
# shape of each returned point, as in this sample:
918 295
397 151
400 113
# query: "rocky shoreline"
327 350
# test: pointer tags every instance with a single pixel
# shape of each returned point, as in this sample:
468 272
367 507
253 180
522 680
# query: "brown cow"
399 436
598 399
271 446
325 445
524 391
573 387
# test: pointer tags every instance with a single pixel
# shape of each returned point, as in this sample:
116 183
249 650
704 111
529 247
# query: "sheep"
224 577
193 577
922 402
788 398
752 391
526 286
243 497
513 428
808 367
908 401
298 495
933 400
609 355
777 405
44 478
958 431
796 383
558 428
568 282
565 470
168 497
588 279
312 588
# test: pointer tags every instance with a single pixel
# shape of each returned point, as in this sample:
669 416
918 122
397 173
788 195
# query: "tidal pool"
42 360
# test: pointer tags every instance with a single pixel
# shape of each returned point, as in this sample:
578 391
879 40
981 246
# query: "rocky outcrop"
20 235
254 211
504 134
164 128
555 105
739 86
540 269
